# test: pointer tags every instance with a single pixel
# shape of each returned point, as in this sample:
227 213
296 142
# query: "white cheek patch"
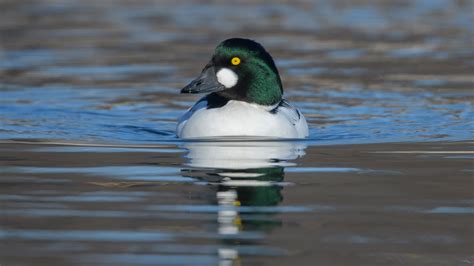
227 77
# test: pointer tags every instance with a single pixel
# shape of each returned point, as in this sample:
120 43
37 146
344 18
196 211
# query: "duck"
244 97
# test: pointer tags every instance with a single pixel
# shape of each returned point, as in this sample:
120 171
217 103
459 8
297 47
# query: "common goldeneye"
245 97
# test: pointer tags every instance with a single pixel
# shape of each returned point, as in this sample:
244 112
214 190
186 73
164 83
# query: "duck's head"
240 69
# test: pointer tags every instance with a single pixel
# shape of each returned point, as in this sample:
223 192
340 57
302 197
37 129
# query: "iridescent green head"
242 70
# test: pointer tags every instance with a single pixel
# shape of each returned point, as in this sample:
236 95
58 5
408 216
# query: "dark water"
92 173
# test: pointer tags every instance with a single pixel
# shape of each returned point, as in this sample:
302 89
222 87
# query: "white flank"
238 118
227 77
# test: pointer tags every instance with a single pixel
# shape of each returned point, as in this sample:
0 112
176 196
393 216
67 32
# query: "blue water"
75 114
91 171
358 74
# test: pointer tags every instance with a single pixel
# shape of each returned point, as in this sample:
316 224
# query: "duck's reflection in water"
248 178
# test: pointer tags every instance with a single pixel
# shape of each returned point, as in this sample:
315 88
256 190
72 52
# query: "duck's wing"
201 104
286 109
293 115
209 101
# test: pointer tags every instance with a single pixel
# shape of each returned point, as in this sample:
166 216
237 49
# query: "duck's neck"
262 90
214 100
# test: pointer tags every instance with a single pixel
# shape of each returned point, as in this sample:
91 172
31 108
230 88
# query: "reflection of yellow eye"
235 61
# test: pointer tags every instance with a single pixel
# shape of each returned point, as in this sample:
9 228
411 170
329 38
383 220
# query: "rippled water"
92 172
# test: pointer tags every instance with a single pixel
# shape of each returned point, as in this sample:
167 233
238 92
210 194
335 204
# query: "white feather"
227 77
238 118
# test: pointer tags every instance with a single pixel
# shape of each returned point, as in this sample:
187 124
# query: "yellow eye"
235 61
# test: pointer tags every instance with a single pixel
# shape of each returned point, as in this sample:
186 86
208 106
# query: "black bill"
206 82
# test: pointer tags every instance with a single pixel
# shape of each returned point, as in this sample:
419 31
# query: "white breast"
238 118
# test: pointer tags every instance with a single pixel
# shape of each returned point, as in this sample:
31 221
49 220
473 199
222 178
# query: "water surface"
92 172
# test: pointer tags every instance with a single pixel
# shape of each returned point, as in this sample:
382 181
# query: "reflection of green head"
261 196
264 195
